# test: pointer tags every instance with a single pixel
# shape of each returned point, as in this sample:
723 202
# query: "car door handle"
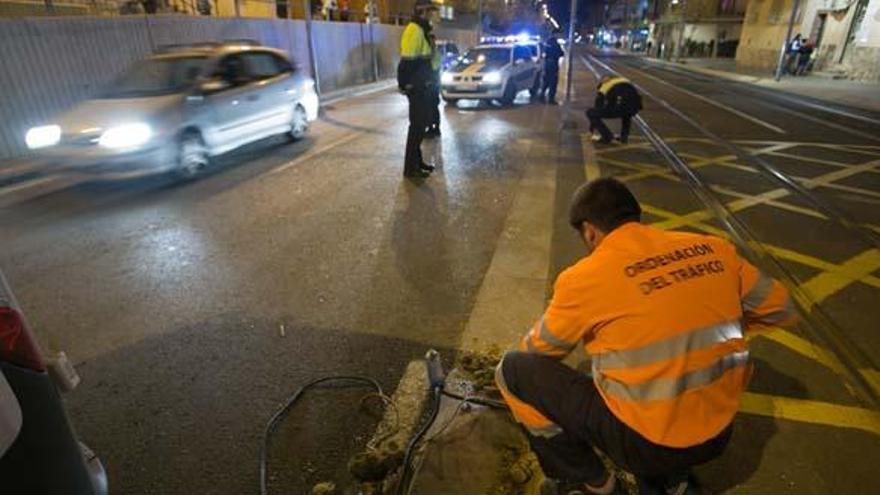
253 97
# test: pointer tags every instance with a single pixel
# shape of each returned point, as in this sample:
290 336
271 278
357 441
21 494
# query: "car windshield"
156 76
486 56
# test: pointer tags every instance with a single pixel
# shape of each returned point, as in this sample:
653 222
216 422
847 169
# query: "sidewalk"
856 94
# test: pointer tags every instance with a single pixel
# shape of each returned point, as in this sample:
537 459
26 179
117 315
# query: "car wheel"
451 101
299 124
192 155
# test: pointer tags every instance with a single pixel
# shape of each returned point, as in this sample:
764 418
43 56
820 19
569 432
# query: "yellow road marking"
776 251
813 412
801 346
825 284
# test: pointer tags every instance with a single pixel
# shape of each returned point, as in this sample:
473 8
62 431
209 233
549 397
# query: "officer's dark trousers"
435 108
551 80
596 115
569 398
419 120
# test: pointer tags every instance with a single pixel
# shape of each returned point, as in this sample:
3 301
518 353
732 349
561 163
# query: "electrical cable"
403 486
280 413
483 401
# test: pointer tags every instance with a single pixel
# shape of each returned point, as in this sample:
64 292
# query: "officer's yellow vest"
414 43
605 87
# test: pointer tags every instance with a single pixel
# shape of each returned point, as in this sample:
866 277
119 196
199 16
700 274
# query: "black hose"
403 485
273 422
492 403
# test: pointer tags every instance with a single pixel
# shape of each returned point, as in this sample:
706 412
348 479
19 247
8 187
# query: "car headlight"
42 136
492 78
126 136
446 78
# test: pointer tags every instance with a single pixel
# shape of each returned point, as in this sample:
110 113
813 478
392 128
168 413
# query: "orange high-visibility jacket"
662 316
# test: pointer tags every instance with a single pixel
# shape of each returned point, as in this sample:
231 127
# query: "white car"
174 111
493 72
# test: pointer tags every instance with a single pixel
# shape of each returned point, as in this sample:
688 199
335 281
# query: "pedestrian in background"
805 53
552 54
616 98
792 51
415 78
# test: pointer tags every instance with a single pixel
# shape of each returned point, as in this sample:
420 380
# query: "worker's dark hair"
605 203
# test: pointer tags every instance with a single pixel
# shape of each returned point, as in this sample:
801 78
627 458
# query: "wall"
49 64
764 34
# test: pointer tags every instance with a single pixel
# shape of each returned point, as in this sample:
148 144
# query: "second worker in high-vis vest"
616 98
663 316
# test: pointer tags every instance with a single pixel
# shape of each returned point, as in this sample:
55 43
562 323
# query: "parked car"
177 109
493 72
39 452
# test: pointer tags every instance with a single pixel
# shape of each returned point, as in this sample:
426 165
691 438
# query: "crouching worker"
663 316
616 98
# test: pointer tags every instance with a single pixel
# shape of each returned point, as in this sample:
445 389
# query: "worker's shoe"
558 487
596 138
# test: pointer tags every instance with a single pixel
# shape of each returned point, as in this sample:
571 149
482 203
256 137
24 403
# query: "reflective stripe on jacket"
663 316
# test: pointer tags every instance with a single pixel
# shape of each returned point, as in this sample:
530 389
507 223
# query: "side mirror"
518 61
213 86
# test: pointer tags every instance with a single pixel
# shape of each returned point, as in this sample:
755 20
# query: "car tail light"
17 343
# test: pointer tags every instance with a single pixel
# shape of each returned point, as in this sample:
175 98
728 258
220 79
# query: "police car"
494 71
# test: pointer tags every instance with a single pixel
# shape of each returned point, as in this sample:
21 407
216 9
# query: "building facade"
696 28
846 34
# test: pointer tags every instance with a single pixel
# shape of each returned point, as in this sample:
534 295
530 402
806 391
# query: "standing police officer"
552 54
415 79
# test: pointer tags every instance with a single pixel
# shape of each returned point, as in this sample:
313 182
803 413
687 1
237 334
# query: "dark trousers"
419 120
596 115
570 399
551 80
435 108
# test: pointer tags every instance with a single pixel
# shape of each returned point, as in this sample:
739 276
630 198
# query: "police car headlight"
446 78
492 78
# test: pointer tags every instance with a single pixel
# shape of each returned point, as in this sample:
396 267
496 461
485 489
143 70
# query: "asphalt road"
171 298
192 310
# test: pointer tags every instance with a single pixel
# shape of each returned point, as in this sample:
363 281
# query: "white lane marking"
830 110
36 187
712 102
313 153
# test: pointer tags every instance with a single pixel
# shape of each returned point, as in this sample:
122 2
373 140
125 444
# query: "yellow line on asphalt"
801 346
592 170
813 412
709 229
776 251
856 268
